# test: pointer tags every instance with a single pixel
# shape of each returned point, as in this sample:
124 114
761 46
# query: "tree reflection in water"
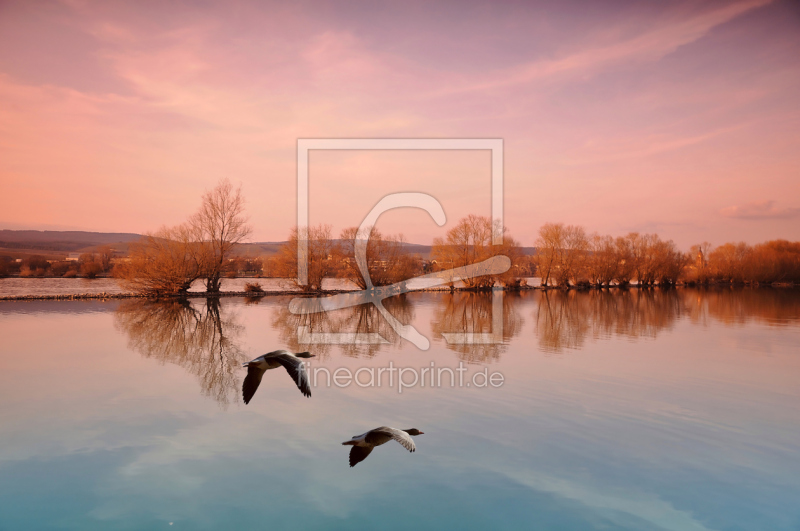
565 319
362 319
471 312
202 339
737 306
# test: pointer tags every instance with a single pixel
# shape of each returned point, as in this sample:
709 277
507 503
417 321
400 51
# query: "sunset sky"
681 118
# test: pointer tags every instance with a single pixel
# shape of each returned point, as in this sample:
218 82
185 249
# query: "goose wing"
252 381
296 370
358 454
381 435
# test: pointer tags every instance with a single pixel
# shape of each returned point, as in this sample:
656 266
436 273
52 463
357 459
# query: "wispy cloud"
759 210
117 116
649 45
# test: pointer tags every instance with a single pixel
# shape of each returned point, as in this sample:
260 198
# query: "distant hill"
64 241
259 248
414 248
79 241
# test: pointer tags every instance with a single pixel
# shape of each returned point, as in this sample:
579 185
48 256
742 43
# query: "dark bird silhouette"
273 360
363 444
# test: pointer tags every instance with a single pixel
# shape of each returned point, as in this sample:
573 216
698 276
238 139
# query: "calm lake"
637 410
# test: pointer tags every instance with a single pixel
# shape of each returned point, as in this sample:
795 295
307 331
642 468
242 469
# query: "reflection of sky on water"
690 428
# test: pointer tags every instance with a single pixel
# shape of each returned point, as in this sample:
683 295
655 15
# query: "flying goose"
363 444
273 360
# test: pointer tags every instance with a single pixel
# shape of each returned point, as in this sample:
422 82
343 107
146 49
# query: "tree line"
387 260
87 265
170 260
568 256
740 263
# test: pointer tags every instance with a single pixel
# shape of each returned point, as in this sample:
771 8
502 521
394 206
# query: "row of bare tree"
388 261
567 255
170 260
765 263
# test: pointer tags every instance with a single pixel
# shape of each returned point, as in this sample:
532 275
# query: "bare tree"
219 224
561 252
318 256
105 255
571 256
163 263
729 261
644 257
387 260
655 260
601 264
551 239
626 264
470 242
268 266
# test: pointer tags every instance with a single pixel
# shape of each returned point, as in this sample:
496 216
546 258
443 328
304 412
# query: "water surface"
641 410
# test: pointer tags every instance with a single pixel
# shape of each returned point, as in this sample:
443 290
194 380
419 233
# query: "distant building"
73 257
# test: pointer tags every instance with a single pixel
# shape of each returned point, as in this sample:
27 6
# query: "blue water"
641 411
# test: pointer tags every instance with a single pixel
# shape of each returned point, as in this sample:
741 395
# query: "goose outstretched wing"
358 454
251 381
296 369
379 435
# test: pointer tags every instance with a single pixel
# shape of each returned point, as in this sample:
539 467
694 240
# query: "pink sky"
680 118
